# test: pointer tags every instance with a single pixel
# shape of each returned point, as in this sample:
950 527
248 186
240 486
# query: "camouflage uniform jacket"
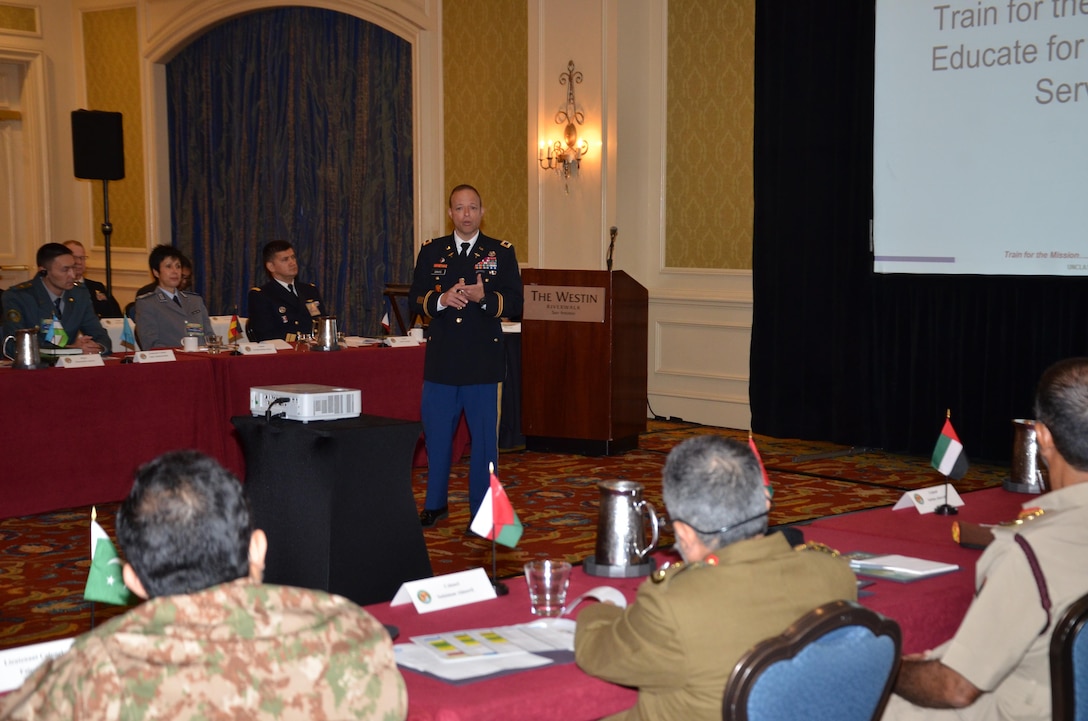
239 650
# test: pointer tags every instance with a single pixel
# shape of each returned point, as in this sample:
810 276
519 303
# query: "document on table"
897 567
458 655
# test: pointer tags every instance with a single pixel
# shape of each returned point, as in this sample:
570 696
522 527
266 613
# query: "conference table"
928 611
74 436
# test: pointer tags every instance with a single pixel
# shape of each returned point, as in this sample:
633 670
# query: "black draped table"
335 499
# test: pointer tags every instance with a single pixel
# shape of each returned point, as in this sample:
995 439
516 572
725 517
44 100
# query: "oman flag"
948 455
496 518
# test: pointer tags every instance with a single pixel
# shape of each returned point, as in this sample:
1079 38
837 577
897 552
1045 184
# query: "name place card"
257 348
155 356
80 361
926 500
448 591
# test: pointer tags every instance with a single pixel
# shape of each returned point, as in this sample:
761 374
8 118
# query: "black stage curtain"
840 353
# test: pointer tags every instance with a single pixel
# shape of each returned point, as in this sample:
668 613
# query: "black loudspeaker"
98 145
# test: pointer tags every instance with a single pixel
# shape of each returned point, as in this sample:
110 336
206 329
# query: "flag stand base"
501 588
945 510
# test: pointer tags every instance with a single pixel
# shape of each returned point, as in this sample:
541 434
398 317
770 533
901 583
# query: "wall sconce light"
565 156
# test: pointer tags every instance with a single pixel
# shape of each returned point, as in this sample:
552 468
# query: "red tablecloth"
73 437
928 610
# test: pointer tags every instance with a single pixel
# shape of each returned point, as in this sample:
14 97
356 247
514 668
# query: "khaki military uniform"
1001 646
679 640
237 650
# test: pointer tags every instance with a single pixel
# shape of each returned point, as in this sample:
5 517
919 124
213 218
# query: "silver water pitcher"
622 550
1028 474
327 338
27 354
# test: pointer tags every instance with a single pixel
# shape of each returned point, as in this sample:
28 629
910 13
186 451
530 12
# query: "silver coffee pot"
327 338
622 551
27 354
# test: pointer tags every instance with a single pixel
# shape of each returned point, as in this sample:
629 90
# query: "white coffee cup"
416 333
190 343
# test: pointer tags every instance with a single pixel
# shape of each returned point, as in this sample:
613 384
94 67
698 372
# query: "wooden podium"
583 360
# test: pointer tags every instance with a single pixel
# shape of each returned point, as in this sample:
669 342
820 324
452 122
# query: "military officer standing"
166 315
52 302
282 308
463 284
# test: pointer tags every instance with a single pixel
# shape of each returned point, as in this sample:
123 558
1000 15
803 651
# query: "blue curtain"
294 124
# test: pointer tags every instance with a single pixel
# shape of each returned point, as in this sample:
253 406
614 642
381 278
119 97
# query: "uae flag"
496 518
104 582
948 455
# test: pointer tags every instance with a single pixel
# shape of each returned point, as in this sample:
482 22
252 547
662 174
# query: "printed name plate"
448 591
154 356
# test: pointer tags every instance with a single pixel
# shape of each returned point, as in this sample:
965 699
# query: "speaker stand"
107 231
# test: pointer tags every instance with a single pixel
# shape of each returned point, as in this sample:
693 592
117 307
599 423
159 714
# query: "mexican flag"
496 518
104 582
948 455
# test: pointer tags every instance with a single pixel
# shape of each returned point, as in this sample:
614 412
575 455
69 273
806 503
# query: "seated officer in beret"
690 624
282 308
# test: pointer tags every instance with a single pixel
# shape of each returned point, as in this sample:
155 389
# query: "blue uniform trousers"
441 412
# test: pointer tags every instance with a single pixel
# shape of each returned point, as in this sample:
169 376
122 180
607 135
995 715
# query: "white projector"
306 402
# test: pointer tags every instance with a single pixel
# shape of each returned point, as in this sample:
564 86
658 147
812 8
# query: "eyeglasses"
724 528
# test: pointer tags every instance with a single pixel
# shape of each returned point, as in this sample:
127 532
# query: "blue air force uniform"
28 304
274 312
464 360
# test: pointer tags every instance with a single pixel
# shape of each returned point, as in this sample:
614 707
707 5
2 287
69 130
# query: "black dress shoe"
428 517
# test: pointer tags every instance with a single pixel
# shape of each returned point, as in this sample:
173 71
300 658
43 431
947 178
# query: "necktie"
56 304
291 287
177 300
464 250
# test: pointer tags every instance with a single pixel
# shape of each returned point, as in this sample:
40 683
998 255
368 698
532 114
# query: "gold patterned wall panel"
19 18
485 80
113 83
711 85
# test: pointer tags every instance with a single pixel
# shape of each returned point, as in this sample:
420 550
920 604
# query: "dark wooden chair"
392 292
836 663
1069 664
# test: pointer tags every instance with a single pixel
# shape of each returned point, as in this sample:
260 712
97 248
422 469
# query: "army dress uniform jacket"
465 347
237 650
28 304
680 639
162 323
274 312
105 305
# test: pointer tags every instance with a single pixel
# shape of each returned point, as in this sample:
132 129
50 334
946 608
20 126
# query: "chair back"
837 662
1069 664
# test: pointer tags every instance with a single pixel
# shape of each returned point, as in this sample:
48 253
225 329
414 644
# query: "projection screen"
980 157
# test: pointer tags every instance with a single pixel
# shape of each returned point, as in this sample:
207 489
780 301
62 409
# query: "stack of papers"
896 567
459 655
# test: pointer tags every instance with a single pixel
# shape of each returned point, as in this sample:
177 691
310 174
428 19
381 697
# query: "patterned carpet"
44 559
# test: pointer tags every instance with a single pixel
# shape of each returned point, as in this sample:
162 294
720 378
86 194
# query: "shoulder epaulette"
23 286
428 241
148 294
507 244
255 288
